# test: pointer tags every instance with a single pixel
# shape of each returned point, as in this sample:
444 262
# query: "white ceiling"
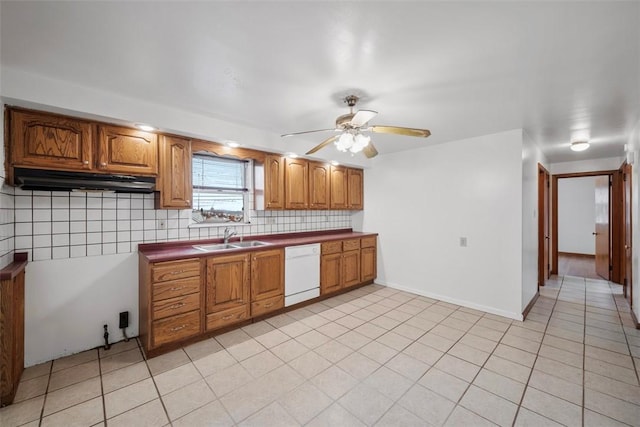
458 69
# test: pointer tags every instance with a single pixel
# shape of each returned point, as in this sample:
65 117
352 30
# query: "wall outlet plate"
463 242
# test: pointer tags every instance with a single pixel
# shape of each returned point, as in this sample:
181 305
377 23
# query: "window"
220 192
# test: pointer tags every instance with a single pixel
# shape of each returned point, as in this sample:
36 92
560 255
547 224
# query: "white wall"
422 201
531 156
634 142
67 301
576 215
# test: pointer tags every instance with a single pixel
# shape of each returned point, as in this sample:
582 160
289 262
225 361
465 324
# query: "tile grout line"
146 363
633 360
46 393
104 406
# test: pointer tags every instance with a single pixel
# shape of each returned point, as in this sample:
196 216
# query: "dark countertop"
168 251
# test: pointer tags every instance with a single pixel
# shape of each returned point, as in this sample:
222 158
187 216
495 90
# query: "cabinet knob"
188 201
86 162
103 164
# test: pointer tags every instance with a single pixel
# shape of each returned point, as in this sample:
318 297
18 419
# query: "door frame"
544 180
616 244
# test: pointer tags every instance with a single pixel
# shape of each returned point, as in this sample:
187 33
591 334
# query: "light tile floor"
374 356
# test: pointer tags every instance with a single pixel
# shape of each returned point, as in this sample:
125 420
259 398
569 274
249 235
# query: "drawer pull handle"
178 305
178 328
227 317
177 272
268 305
177 288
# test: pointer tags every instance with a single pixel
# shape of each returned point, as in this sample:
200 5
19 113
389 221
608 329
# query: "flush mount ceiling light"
146 128
232 144
579 145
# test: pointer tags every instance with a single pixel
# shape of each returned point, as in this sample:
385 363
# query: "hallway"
590 353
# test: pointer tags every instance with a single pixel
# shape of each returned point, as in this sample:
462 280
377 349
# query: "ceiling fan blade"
308 131
323 144
369 150
362 117
400 131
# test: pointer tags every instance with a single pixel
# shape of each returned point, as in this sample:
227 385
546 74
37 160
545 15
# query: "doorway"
580 243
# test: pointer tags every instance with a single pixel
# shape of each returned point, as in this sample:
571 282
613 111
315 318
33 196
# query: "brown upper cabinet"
274 182
355 188
125 150
52 141
296 178
174 179
319 185
339 185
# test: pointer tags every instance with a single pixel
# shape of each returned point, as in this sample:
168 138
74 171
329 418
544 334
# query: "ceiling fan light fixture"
579 145
345 142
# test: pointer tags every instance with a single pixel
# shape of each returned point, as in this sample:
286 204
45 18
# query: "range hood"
48 180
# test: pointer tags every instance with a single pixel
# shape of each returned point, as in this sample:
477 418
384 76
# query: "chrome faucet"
228 233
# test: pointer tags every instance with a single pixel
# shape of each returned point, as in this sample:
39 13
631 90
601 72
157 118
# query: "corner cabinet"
174 179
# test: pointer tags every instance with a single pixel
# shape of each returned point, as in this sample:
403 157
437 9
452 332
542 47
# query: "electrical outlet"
161 224
303 219
271 220
124 320
463 242
325 218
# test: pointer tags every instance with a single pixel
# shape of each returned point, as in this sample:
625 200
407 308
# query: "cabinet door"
339 183
296 184
123 150
330 273
227 282
355 189
350 268
50 141
319 185
274 182
267 274
368 264
174 180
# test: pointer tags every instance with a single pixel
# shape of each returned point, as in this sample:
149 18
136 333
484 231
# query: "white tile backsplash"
54 225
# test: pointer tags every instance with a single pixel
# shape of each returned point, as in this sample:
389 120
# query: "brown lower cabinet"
183 299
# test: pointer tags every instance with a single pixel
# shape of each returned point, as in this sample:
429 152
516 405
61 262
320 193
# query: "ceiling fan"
351 127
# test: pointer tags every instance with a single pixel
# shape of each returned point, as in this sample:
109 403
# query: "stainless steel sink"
214 247
248 244
224 246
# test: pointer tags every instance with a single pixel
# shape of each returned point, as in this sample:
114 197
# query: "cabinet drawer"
176 328
175 288
171 270
227 317
331 247
267 305
350 245
368 242
173 306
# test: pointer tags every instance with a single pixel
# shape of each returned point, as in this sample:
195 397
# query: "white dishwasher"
301 273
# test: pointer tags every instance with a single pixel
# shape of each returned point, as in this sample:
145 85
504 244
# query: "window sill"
217 224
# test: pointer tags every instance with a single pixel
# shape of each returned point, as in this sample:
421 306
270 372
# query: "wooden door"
123 150
544 264
330 272
296 176
602 200
50 141
350 268
267 274
627 267
227 283
273 182
355 189
174 181
339 187
319 185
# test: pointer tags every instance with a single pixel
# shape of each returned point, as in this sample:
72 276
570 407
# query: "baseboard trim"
577 255
468 304
529 306
635 319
